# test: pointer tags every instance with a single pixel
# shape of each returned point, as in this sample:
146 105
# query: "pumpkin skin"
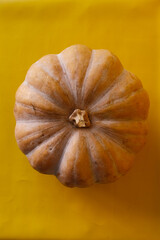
81 116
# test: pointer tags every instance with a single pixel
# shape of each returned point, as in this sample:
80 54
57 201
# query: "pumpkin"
81 116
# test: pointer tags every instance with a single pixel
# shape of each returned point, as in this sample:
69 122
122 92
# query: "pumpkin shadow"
136 192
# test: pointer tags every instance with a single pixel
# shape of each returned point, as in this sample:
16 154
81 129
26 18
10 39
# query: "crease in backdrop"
35 206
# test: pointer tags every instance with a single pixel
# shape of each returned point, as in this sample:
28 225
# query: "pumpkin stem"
80 118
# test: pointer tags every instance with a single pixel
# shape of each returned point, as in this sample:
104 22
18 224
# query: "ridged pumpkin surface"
81 116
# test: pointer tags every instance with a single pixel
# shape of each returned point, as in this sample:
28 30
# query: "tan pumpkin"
81 116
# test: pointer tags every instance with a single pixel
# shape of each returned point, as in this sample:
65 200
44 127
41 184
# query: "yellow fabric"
36 206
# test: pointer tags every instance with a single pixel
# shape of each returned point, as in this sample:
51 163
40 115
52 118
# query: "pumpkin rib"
47 140
56 168
63 153
134 86
121 168
140 129
110 118
27 95
132 142
65 75
96 101
52 65
30 134
116 139
99 139
50 113
133 136
51 100
99 76
123 108
49 152
74 164
56 80
74 168
43 120
65 175
86 74
33 133
75 60
33 140
25 113
46 70
78 176
103 166
99 83
79 94
119 100
91 160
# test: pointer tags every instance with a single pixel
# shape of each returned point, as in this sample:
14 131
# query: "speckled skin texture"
114 100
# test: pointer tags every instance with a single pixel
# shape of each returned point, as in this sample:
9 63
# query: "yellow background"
35 206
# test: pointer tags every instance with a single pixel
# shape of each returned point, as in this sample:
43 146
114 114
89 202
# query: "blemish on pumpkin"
34 108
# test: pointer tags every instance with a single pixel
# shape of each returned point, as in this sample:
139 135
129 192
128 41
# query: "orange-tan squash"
81 116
